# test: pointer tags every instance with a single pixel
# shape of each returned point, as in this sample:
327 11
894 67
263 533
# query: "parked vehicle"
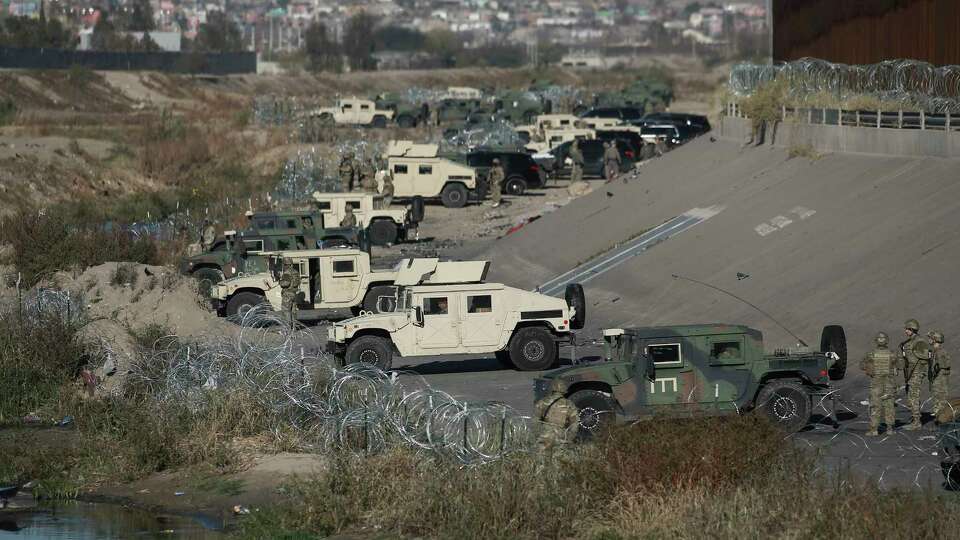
383 224
699 124
420 171
353 111
624 114
521 172
592 150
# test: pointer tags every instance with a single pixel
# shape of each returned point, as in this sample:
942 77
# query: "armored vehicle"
456 110
406 113
520 107
702 369
384 225
450 310
331 280
353 112
420 171
266 231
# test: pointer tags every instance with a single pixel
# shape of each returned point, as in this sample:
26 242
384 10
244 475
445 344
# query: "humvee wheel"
834 339
206 279
406 121
516 185
382 232
786 404
326 119
595 409
373 350
379 122
533 349
242 302
454 196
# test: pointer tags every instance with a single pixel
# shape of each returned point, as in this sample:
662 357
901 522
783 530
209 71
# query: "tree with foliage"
398 38
40 32
218 34
444 44
358 43
107 37
323 54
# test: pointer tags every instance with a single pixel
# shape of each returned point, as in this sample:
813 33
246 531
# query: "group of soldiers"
918 359
370 175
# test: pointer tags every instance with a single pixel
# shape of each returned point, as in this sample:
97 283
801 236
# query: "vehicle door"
426 182
364 113
675 380
722 371
328 214
402 180
441 320
355 204
348 113
481 326
339 279
592 156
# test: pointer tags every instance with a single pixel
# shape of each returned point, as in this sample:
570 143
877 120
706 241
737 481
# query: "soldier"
560 416
368 176
386 190
939 373
495 182
349 219
881 366
576 156
208 235
239 254
290 287
347 172
915 353
611 161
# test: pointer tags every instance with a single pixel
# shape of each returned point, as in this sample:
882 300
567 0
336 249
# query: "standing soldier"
560 416
576 156
495 182
916 355
386 189
611 161
939 373
881 366
290 288
349 218
347 172
208 235
368 176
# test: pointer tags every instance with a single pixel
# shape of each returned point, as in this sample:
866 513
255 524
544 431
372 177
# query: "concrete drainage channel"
618 255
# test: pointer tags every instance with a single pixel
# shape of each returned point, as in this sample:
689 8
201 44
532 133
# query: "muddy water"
87 521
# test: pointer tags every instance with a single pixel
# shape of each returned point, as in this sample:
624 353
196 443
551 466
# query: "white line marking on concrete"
781 221
764 229
803 212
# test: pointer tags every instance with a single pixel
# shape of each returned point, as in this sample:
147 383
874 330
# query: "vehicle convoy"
363 112
705 369
450 310
384 225
420 171
267 231
331 280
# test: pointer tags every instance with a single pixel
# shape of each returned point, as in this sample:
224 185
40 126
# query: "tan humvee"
452 311
331 280
555 137
384 225
600 123
463 92
419 171
550 126
353 111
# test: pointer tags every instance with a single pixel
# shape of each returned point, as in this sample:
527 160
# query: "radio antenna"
728 293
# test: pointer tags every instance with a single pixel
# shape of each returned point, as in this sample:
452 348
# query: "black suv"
626 114
592 150
695 123
631 137
521 172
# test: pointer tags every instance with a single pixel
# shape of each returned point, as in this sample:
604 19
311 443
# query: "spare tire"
417 209
578 302
834 339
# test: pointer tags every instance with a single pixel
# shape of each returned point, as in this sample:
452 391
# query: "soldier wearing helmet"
559 415
915 352
939 375
881 366
495 181
611 161
347 172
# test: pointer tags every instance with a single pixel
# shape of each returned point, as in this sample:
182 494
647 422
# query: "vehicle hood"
386 321
612 373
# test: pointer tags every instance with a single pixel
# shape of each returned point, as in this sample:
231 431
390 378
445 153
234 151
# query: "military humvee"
448 309
353 112
266 231
384 225
705 369
520 107
420 171
331 280
456 109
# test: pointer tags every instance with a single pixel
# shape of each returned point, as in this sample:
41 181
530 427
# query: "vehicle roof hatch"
411 149
460 272
413 271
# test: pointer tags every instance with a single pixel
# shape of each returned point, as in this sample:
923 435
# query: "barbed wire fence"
911 83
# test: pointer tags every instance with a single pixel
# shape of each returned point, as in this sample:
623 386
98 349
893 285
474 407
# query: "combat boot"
873 432
913 426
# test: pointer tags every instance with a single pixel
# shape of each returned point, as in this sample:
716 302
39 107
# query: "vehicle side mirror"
418 316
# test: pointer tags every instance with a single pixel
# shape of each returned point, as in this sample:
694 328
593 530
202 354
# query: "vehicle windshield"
378 203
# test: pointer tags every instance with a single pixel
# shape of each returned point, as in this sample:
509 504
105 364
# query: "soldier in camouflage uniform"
495 182
939 373
368 176
349 218
347 172
560 417
576 156
290 287
386 190
881 366
915 352
611 161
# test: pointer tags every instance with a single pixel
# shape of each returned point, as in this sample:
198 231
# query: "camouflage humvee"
406 113
699 369
520 107
267 231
